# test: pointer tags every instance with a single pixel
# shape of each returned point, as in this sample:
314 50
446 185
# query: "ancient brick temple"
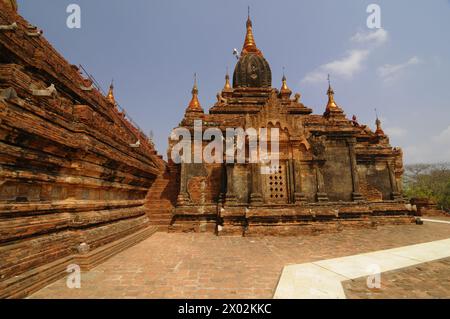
74 172
79 182
333 172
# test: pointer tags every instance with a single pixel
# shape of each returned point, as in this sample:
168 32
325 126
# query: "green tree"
429 181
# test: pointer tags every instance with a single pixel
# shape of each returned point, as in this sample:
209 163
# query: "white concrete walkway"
322 279
435 220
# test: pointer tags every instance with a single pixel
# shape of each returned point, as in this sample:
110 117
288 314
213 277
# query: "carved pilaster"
299 196
321 195
395 194
356 195
256 197
230 197
183 196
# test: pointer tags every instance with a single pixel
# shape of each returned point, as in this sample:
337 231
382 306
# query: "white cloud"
348 65
345 67
353 62
389 71
377 37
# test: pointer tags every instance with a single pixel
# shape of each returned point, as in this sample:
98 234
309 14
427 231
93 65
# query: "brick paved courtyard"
428 280
205 266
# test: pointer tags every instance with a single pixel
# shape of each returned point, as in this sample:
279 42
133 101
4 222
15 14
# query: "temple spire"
194 104
379 130
284 86
227 86
249 43
285 90
331 103
110 95
332 109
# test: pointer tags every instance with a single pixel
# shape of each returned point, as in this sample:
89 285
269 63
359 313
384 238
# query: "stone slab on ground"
323 279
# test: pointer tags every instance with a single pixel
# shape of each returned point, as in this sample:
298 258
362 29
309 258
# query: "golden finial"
249 43
285 92
194 105
227 86
195 88
331 103
284 86
110 95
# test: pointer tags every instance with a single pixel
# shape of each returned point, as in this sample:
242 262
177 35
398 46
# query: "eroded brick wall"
68 173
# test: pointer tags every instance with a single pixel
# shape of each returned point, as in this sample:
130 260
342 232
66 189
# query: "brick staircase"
161 199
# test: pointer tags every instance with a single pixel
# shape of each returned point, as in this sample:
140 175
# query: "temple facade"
332 173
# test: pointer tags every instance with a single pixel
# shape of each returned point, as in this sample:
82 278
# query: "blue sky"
152 49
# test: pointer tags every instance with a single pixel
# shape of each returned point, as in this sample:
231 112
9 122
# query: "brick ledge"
35 279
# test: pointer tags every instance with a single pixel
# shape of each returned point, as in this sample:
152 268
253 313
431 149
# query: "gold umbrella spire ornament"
110 95
249 43
194 104
227 85
331 103
284 86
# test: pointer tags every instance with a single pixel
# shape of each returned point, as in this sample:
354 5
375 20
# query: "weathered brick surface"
370 192
427 207
425 281
161 199
68 173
